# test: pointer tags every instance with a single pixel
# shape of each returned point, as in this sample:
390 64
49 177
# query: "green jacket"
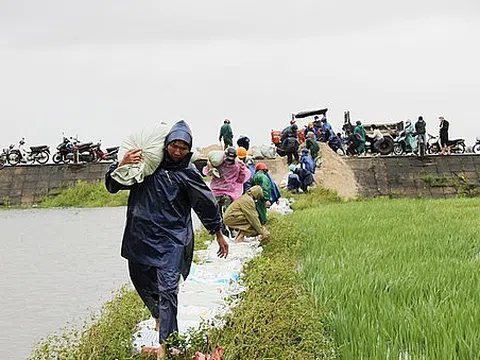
360 130
262 180
242 214
312 145
226 133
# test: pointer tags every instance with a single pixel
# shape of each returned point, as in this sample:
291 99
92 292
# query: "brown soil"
335 174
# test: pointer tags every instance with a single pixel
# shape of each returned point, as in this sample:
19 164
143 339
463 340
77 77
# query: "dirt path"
336 175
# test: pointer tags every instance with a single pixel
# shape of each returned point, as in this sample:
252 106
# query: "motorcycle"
476 147
4 156
40 154
82 152
400 145
111 153
457 146
63 149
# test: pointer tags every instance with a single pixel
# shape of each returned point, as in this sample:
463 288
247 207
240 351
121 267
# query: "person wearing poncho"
242 215
158 237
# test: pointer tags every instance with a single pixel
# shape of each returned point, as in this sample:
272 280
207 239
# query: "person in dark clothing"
334 143
306 178
353 144
290 145
243 141
312 145
226 133
317 127
293 181
158 237
307 161
444 125
421 132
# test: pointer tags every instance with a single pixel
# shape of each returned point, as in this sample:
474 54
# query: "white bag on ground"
257 153
268 151
151 142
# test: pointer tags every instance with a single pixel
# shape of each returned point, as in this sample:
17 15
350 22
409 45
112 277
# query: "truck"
389 130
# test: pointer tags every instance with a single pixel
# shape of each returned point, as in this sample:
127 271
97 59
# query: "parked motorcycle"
83 152
457 146
110 154
4 156
40 154
476 147
400 145
63 149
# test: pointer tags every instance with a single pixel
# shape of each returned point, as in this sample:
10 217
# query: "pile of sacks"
283 206
264 152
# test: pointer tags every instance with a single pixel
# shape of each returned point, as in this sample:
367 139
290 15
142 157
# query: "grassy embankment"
378 279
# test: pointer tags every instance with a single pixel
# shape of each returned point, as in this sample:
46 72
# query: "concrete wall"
409 176
29 184
405 176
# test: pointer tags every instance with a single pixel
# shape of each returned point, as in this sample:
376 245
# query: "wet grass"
400 278
84 194
276 318
107 335
371 279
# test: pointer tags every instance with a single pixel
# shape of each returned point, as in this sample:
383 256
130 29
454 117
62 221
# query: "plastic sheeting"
151 142
211 288
283 206
203 296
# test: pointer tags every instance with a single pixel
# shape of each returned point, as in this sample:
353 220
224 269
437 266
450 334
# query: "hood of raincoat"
180 131
256 192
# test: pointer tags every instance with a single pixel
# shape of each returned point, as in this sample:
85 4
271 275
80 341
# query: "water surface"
56 266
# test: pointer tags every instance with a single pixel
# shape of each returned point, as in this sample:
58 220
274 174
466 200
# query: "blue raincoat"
306 161
158 237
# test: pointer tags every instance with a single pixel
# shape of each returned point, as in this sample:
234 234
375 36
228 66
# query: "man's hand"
222 245
268 203
265 235
133 156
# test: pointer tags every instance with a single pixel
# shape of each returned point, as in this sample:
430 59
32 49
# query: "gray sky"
104 69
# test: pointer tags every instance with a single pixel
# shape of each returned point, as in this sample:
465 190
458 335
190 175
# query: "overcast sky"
104 69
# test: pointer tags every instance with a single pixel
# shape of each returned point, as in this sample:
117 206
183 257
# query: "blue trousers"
158 289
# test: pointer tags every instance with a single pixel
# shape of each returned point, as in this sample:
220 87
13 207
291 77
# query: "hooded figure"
242 214
306 161
359 131
158 237
410 136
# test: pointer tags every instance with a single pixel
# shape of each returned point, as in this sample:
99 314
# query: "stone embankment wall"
404 176
409 176
29 184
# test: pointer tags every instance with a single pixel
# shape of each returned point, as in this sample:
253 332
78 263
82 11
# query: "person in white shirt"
378 138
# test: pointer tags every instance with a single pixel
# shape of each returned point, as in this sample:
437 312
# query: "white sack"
268 151
216 157
152 142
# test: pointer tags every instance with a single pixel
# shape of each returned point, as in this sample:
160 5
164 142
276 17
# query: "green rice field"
399 279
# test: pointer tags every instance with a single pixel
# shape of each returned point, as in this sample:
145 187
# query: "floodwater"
57 266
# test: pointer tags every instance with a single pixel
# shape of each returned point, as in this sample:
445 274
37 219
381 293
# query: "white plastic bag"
268 151
257 152
216 157
152 142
